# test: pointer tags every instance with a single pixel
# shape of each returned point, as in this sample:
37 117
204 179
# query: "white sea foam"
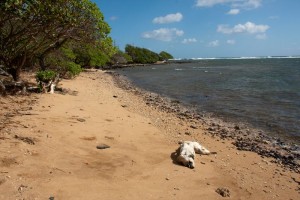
234 58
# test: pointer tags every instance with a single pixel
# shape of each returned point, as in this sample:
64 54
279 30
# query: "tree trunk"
42 62
16 65
15 72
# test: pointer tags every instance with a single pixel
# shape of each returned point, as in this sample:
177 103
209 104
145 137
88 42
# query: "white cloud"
163 34
248 27
214 43
233 11
189 40
170 18
210 3
231 42
246 4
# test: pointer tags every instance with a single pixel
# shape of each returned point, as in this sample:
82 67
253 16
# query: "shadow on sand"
174 156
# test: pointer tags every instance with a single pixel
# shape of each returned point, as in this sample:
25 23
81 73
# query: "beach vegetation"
165 56
72 69
145 56
120 57
31 31
94 55
45 76
62 62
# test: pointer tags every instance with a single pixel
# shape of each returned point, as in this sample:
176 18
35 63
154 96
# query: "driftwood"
9 86
2 72
2 88
12 87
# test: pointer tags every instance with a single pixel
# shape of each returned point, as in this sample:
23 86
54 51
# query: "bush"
45 76
62 62
120 58
72 69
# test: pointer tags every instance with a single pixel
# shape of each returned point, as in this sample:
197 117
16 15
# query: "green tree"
32 29
62 61
121 58
141 55
94 55
165 56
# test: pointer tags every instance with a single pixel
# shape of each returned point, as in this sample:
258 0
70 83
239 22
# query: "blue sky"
206 28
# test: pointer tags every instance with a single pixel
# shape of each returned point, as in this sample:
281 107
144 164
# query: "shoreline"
230 90
243 136
48 149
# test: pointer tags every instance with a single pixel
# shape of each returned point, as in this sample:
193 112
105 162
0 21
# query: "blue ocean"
262 92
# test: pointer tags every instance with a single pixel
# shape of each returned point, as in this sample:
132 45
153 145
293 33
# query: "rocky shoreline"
245 138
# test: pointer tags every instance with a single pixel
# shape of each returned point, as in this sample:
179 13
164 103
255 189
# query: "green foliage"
128 58
62 61
72 69
141 55
165 56
45 76
121 58
33 29
98 59
92 55
69 53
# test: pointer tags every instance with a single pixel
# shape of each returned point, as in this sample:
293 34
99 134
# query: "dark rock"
211 129
81 120
27 140
102 146
194 127
224 192
187 133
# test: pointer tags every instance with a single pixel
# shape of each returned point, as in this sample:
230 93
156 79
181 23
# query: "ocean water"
264 92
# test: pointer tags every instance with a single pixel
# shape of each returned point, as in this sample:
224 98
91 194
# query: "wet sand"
48 149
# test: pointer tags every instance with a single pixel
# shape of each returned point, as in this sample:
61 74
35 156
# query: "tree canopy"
60 35
165 55
143 55
32 29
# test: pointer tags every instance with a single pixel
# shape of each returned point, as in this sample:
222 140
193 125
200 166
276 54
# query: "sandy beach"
48 150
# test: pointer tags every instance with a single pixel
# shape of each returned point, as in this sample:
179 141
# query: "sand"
48 151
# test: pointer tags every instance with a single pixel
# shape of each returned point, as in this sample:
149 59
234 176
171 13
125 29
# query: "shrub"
45 76
73 68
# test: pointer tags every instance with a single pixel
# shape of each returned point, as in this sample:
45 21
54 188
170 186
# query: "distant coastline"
231 58
190 60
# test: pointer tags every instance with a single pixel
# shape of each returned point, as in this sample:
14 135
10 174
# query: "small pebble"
102 146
